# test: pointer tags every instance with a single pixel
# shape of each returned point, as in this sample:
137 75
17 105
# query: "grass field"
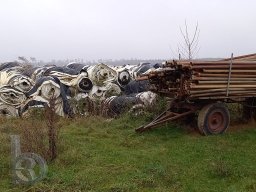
100 155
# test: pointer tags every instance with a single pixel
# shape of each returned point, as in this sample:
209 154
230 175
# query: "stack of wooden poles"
227 78
223 79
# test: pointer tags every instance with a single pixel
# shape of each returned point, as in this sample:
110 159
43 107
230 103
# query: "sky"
124 29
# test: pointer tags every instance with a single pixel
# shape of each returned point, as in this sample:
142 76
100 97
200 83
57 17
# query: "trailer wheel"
213 119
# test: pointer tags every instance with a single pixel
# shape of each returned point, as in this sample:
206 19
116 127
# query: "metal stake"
229 74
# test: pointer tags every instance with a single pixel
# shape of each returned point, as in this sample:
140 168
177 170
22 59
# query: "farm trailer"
206 87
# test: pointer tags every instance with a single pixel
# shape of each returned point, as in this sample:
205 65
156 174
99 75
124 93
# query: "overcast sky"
115 29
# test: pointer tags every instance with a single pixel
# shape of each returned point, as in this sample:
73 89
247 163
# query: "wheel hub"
216 121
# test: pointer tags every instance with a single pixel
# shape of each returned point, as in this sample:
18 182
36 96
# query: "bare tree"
23 59
33 59
189 47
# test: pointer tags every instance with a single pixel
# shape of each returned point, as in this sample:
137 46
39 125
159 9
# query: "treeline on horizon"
114 62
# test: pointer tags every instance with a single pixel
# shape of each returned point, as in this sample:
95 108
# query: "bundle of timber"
227 78
250 57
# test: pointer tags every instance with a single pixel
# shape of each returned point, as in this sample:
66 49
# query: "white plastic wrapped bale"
122 77
97 93
82 105
8 110
20 82
16 80
37 72
148 98
112 90
32 103
40 103
130 69
71 78
83 83
11 96
102 92
46 89
101 73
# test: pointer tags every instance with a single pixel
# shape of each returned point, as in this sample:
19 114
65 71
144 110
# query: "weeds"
99 155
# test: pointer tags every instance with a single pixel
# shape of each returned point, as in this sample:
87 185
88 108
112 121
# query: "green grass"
100 155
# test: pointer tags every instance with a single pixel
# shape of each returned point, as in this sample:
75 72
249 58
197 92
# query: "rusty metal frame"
170 115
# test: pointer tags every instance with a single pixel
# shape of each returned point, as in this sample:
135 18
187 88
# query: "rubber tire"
203 116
